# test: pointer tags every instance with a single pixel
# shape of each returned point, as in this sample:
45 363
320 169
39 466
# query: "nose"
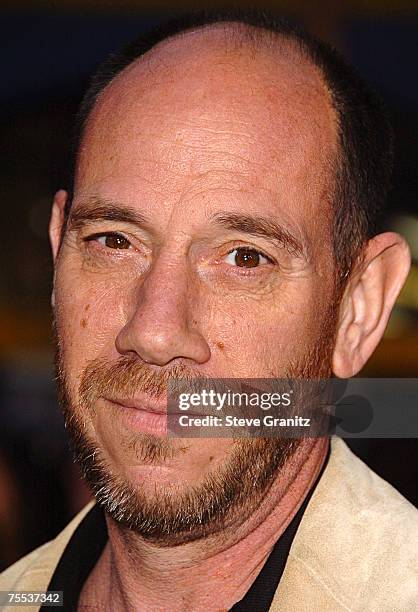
161 325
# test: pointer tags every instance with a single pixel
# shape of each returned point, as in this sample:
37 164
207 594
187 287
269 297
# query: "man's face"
198 244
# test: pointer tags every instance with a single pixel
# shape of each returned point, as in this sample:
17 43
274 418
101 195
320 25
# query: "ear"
57 221
368 300
55 226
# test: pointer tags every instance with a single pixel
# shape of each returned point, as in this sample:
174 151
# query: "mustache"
129 375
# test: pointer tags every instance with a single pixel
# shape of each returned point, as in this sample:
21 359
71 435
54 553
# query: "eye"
111 240
244 257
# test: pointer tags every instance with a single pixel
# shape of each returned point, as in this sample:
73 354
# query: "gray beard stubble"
169 519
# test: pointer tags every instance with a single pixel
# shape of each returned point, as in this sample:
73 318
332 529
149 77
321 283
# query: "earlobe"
368 300
57 221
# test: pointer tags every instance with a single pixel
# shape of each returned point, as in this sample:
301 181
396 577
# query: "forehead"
200 108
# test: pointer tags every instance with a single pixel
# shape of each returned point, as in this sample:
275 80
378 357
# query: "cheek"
259 338
88 317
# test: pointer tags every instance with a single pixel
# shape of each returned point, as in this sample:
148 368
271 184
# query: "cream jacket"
356 549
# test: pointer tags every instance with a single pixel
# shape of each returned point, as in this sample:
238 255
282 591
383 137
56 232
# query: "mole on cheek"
83 323
220 345
86 307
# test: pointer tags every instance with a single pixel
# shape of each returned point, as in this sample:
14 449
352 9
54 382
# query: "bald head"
205 103
227 74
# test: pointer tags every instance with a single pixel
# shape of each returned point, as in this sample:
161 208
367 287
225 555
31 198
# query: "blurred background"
49 49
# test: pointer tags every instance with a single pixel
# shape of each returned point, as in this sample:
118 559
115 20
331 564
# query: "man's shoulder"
357 490
354 506
356 544
34 571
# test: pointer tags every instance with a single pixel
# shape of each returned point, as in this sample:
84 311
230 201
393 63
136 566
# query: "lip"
145 416
157 408
143 404
140 416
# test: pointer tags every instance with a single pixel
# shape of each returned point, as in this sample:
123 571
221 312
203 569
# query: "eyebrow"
96 209
264 227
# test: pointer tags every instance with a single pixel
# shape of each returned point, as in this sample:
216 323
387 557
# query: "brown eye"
244 257
113 241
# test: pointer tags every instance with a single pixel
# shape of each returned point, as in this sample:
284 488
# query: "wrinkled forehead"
209 101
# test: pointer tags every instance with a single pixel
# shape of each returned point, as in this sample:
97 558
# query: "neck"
133 574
